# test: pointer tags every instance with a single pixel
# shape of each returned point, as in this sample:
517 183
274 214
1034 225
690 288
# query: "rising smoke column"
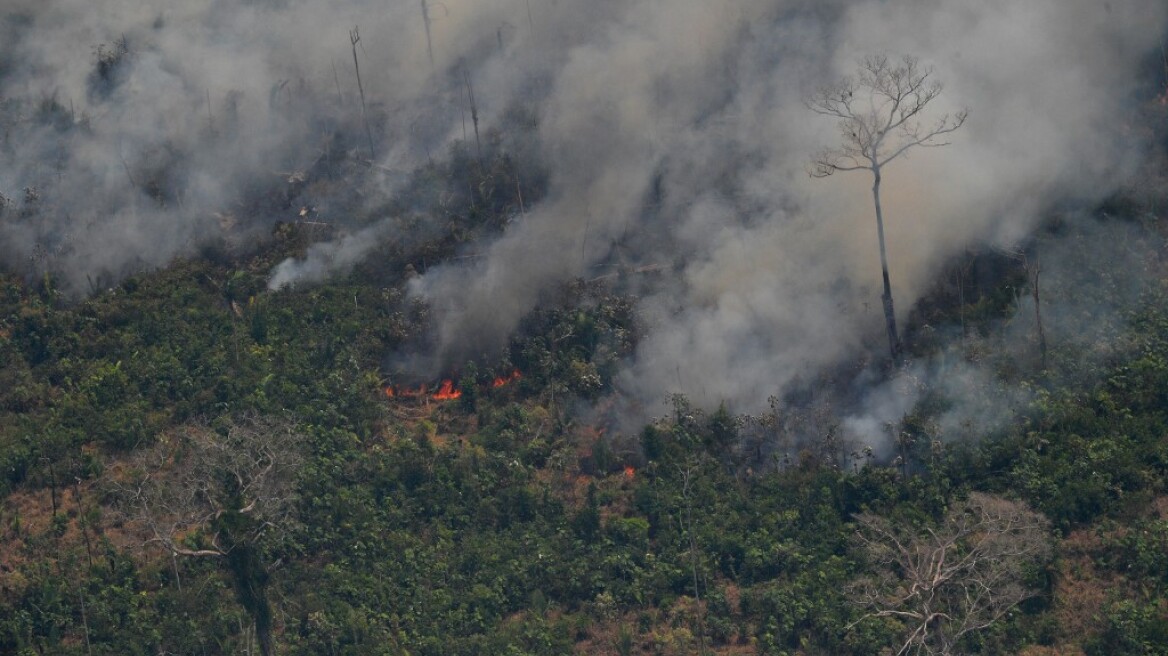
777 274
673 131
148 129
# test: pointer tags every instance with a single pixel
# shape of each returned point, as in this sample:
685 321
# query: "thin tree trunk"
693 561
84 618
52 485
429 43
354 39
584 243
474 113
210 116
961 297
1038 312
889 313
81 520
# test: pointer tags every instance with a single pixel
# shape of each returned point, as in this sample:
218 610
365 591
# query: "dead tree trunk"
1034 272
429 42
889 312
354 39
474 113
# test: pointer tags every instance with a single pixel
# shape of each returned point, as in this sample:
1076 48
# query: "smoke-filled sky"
674 129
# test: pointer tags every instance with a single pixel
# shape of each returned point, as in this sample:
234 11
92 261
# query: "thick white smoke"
779 273
673 131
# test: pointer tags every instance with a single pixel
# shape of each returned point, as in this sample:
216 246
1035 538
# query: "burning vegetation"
544 512
446 390
500 381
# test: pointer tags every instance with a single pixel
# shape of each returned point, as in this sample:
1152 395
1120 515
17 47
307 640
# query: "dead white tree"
946 582
879 112
180 488
219 492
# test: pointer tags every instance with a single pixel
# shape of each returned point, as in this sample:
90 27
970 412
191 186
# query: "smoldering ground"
673 133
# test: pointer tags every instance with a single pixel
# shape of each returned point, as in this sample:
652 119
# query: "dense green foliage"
467 527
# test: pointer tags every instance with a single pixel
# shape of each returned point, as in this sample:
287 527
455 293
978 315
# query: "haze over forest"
671 135
553 327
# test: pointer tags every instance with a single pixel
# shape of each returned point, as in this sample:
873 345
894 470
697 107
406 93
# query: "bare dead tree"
879 112
499 33
196 476
519 194
210 116
474 112
337 80
1033 269
429 42
354 39
1163 59
218 492
946 582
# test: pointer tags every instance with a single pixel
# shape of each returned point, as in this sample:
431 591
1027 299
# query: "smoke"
325 259
673 133
776 274
764 302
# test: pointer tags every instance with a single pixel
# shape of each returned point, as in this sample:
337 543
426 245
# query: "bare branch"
178 491
878 112
945 582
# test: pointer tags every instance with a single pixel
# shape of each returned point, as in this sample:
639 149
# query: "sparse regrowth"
880 118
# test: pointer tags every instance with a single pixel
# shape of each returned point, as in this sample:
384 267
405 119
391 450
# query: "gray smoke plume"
673 132
777 274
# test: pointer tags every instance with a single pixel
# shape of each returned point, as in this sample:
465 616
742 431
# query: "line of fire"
445 390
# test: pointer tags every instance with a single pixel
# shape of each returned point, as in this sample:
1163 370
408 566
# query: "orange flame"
405 392
629 472
446 391
501 381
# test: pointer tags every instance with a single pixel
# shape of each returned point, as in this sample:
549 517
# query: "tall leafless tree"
880 118
945 582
